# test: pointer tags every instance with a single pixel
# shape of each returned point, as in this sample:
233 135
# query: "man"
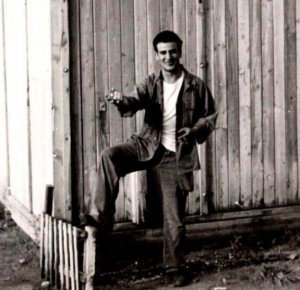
179 111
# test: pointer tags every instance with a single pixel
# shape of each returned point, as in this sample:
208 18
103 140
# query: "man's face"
168 56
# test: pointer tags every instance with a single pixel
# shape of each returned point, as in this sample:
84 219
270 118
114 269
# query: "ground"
262 261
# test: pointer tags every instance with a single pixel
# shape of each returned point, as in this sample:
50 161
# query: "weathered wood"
291 102
298 87
88 98
220 79
279 102
4 166
233 102
245 101
76 257
17 116
61 255
47 270
56 252
90 257
42 245
66 255
166 12
179 24
268 103
128 81
256 103
73 256
153 27
61 108
78 205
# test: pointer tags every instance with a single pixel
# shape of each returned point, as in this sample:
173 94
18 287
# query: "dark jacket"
195 109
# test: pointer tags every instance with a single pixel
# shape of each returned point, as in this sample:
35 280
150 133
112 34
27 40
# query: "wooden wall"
246 50
25 108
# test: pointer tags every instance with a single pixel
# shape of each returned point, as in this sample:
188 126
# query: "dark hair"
167 36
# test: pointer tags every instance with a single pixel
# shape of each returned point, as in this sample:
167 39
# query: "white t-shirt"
171 92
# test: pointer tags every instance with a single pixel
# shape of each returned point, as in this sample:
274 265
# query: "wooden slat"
76 112
4 166
88 97
233 103
298 87
17 116
245 101
115 80
61 255
56 252
211 184
179 24
42 245
141 71
76 255
256 103
192 66
279 102
201 72
268 102
291 102
61 109
51 250
128 81
66 256
153 27
221 97
47 270
73 256
166 13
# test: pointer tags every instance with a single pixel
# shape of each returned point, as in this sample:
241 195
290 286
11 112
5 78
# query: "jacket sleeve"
135 100
208 115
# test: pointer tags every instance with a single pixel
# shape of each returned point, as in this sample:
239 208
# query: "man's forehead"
166 46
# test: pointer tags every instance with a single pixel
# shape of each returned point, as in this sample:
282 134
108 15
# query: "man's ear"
156 55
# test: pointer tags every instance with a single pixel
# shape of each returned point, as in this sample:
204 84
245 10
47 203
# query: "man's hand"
115 96
185 135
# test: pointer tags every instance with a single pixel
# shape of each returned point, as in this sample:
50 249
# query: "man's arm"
130 103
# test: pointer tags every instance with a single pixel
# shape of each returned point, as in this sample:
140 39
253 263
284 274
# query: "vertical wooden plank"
141 71
90 257
66 256
101 72
51 269
61 108
191 63
4 166
42 245
128 80
115 80
17 116
40 124
256 103
298 87
73 256
76 256
279 102
179 24
291 101
88 98
61 255
245 101
233 102
153 27
47 247
201 72
221 97
166 15
56 252
76 113
268 102
211 183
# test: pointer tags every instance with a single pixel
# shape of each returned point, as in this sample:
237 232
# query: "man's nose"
168 55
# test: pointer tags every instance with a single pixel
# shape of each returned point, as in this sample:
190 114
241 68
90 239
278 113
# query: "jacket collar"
188 81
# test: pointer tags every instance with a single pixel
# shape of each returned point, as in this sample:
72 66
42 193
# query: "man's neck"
172 76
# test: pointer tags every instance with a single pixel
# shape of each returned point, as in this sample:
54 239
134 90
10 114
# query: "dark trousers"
120 160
